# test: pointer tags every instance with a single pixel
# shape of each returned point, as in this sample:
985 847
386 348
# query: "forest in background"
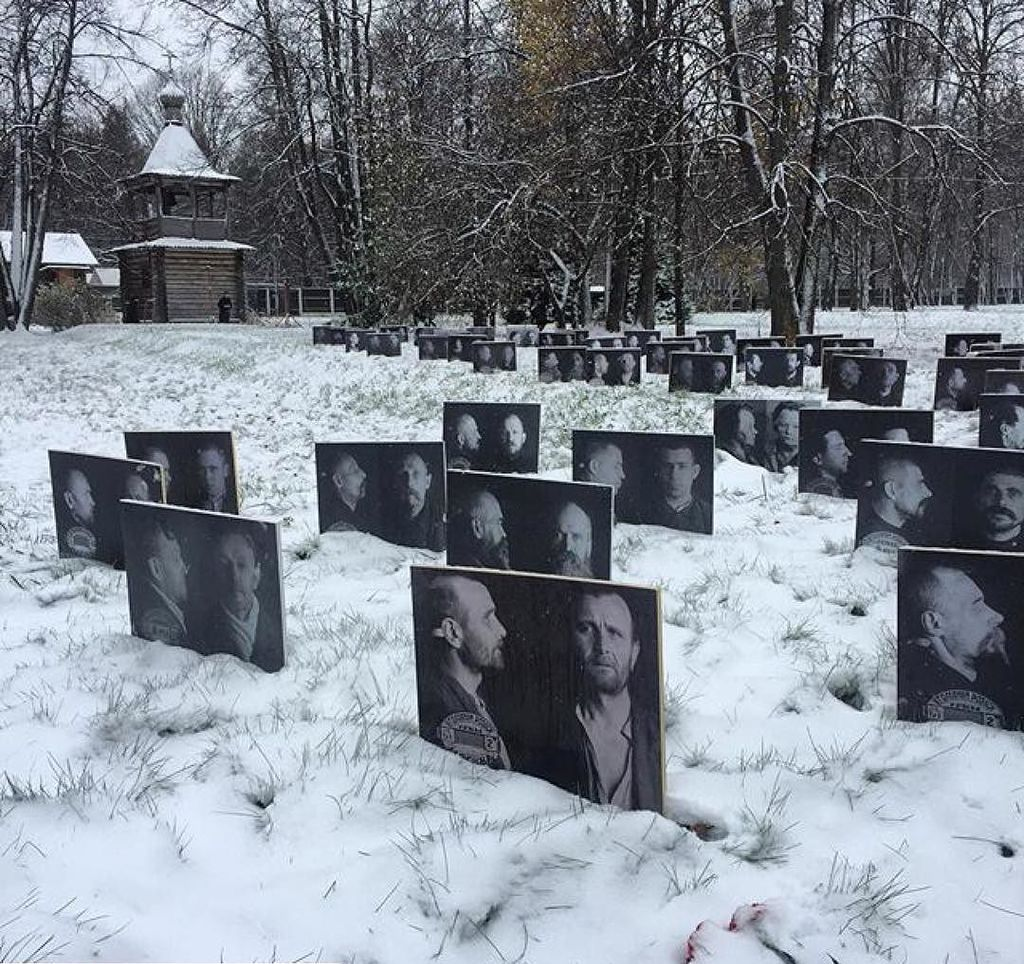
429 155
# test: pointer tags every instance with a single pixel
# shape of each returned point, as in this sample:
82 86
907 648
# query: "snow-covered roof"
176 154
59 250
105 277
185 243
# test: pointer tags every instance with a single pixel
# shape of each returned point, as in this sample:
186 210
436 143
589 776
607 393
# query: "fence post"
299 291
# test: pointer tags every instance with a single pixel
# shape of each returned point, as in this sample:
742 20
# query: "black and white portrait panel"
659 478
386 343
401 330
557 338
656 357
355 339
553 677
532 525
1001 421
774 367
699 372
460 346
720 341
989 498
959 381
959 344
614 366
523 336
760 431
492 436
742 344
867 379
433 347
905 495
87 493
831 349
830 441
567 364
394 490
811 346
208 582
494 356
329 335
640 337
1003 381
959 628
200 470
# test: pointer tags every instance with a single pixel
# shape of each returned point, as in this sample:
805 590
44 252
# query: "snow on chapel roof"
60 250
176 153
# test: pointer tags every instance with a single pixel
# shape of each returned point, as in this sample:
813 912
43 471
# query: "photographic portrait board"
523 336
432 347
699 372
208 582
988 494
87 492
565 364
460 346
606 341
558 338
492 436
830 441
640 337
200 467
1003 381
1001 421
760 431
959 344
774 367
1005 352
393 490
493 356
959 381
614 366
385 343
532 525
401 330
830 350
766 341
811 346
659 478
329 335
547 648
905 495
656 356
960 622
719 340
867 379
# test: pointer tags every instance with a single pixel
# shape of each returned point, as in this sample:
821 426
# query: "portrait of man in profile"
465 648
463 442
954 661
76 516
830 461
895 503
599 368
1002 423
348 495
739 433
951 391
476 532
160 598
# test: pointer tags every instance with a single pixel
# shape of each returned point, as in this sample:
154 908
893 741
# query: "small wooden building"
66 258
182 261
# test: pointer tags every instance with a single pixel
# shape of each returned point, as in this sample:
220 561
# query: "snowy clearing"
156 806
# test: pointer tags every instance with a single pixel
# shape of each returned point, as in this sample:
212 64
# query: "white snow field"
158 806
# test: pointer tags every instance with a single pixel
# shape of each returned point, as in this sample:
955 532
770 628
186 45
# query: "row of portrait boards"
853 369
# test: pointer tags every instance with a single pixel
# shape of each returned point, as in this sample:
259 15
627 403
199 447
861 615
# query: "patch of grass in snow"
837 547
763 838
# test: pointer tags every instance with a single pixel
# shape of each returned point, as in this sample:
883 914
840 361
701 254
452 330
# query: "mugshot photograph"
555 338
882 381
656 357
623 366
811 346
960 344
830 440
959 627
553 677
567 364
328 335
532 525
402 331
1001 421
411 494
832 348
658 478
199 467
774 367
640 337
720 341
989 497
492 436
206 582
742 344
432 347
348 480
845 375
606 341
87 492
494 356
959 381
460 346
761 432
905 496
1004 381
699 372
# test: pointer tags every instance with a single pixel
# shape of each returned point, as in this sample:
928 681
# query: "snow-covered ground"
156 806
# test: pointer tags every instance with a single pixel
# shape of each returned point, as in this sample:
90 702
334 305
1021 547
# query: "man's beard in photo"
496 556
565 562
